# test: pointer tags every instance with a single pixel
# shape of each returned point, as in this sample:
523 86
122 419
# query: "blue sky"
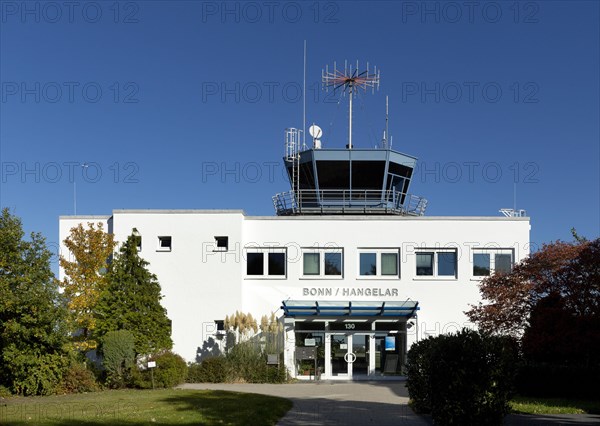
183 104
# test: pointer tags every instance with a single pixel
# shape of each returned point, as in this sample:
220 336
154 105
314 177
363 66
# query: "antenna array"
348 79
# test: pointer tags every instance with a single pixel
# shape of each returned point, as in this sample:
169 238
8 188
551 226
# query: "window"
266 262
436 263
488 261
164 244
222 243
137 238
322 262
379 263
255 264
138 242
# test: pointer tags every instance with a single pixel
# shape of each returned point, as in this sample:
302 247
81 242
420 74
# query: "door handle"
350 357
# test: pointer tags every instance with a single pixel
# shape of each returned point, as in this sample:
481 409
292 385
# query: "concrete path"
366 403
335 403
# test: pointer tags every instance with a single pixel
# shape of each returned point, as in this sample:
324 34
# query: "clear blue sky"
163 97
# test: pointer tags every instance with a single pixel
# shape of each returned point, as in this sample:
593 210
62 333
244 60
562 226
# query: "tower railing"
346 201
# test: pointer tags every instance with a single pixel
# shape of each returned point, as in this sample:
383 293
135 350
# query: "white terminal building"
350 264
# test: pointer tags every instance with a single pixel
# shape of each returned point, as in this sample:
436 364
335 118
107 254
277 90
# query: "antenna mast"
349 79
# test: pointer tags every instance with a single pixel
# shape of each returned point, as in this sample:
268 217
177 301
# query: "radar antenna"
348 79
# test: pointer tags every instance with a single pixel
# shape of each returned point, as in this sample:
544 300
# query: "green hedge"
462 379
211 370
170 371
244 363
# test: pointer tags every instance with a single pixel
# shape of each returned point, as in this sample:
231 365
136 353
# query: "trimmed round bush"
464 378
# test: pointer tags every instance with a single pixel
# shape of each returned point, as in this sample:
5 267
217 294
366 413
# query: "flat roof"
301 217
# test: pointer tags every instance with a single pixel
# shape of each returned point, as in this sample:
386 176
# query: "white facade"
203 283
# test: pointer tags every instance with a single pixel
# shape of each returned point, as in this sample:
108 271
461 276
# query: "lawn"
530 405
137 408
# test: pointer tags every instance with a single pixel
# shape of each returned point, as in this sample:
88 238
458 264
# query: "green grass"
531 405
137 408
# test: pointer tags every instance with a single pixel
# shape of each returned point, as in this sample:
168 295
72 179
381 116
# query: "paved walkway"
335 403
365 403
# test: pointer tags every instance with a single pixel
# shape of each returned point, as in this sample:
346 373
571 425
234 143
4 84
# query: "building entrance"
350 355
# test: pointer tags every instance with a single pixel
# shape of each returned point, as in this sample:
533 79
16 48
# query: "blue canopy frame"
308 308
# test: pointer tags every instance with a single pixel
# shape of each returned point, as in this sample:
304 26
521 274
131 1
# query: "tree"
32 313
560 276
91 249
118 356
131 301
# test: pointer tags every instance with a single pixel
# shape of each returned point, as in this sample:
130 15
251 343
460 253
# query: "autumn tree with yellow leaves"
85 278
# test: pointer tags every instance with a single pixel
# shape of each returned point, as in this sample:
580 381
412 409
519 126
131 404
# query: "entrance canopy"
308 308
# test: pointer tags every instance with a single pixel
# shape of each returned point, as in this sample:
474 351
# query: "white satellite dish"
315 131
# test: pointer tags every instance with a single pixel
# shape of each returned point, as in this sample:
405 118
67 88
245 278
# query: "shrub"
211 370
36 375
170 371
464 378
118 352
78 378
418 371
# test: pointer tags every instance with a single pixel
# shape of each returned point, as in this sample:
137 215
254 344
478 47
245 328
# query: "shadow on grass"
148 408
232 408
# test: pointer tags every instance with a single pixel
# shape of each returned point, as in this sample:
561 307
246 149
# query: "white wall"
201 286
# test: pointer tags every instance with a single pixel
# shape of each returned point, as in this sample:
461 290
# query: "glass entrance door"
360 349
350 355
339 355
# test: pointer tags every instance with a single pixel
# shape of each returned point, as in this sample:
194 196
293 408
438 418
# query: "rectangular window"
276 263
266 262
164 244
379 263
368 264
437 263
389 264
446 264
255 264
503 263
488 261
481 264
333 264
425 264
311 264
321 262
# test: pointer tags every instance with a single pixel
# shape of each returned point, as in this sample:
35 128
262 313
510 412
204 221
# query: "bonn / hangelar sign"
350 291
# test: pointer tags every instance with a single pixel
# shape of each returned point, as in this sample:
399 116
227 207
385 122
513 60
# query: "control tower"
346 181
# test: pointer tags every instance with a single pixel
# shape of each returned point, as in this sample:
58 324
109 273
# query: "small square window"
222 243
220 324
164 243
